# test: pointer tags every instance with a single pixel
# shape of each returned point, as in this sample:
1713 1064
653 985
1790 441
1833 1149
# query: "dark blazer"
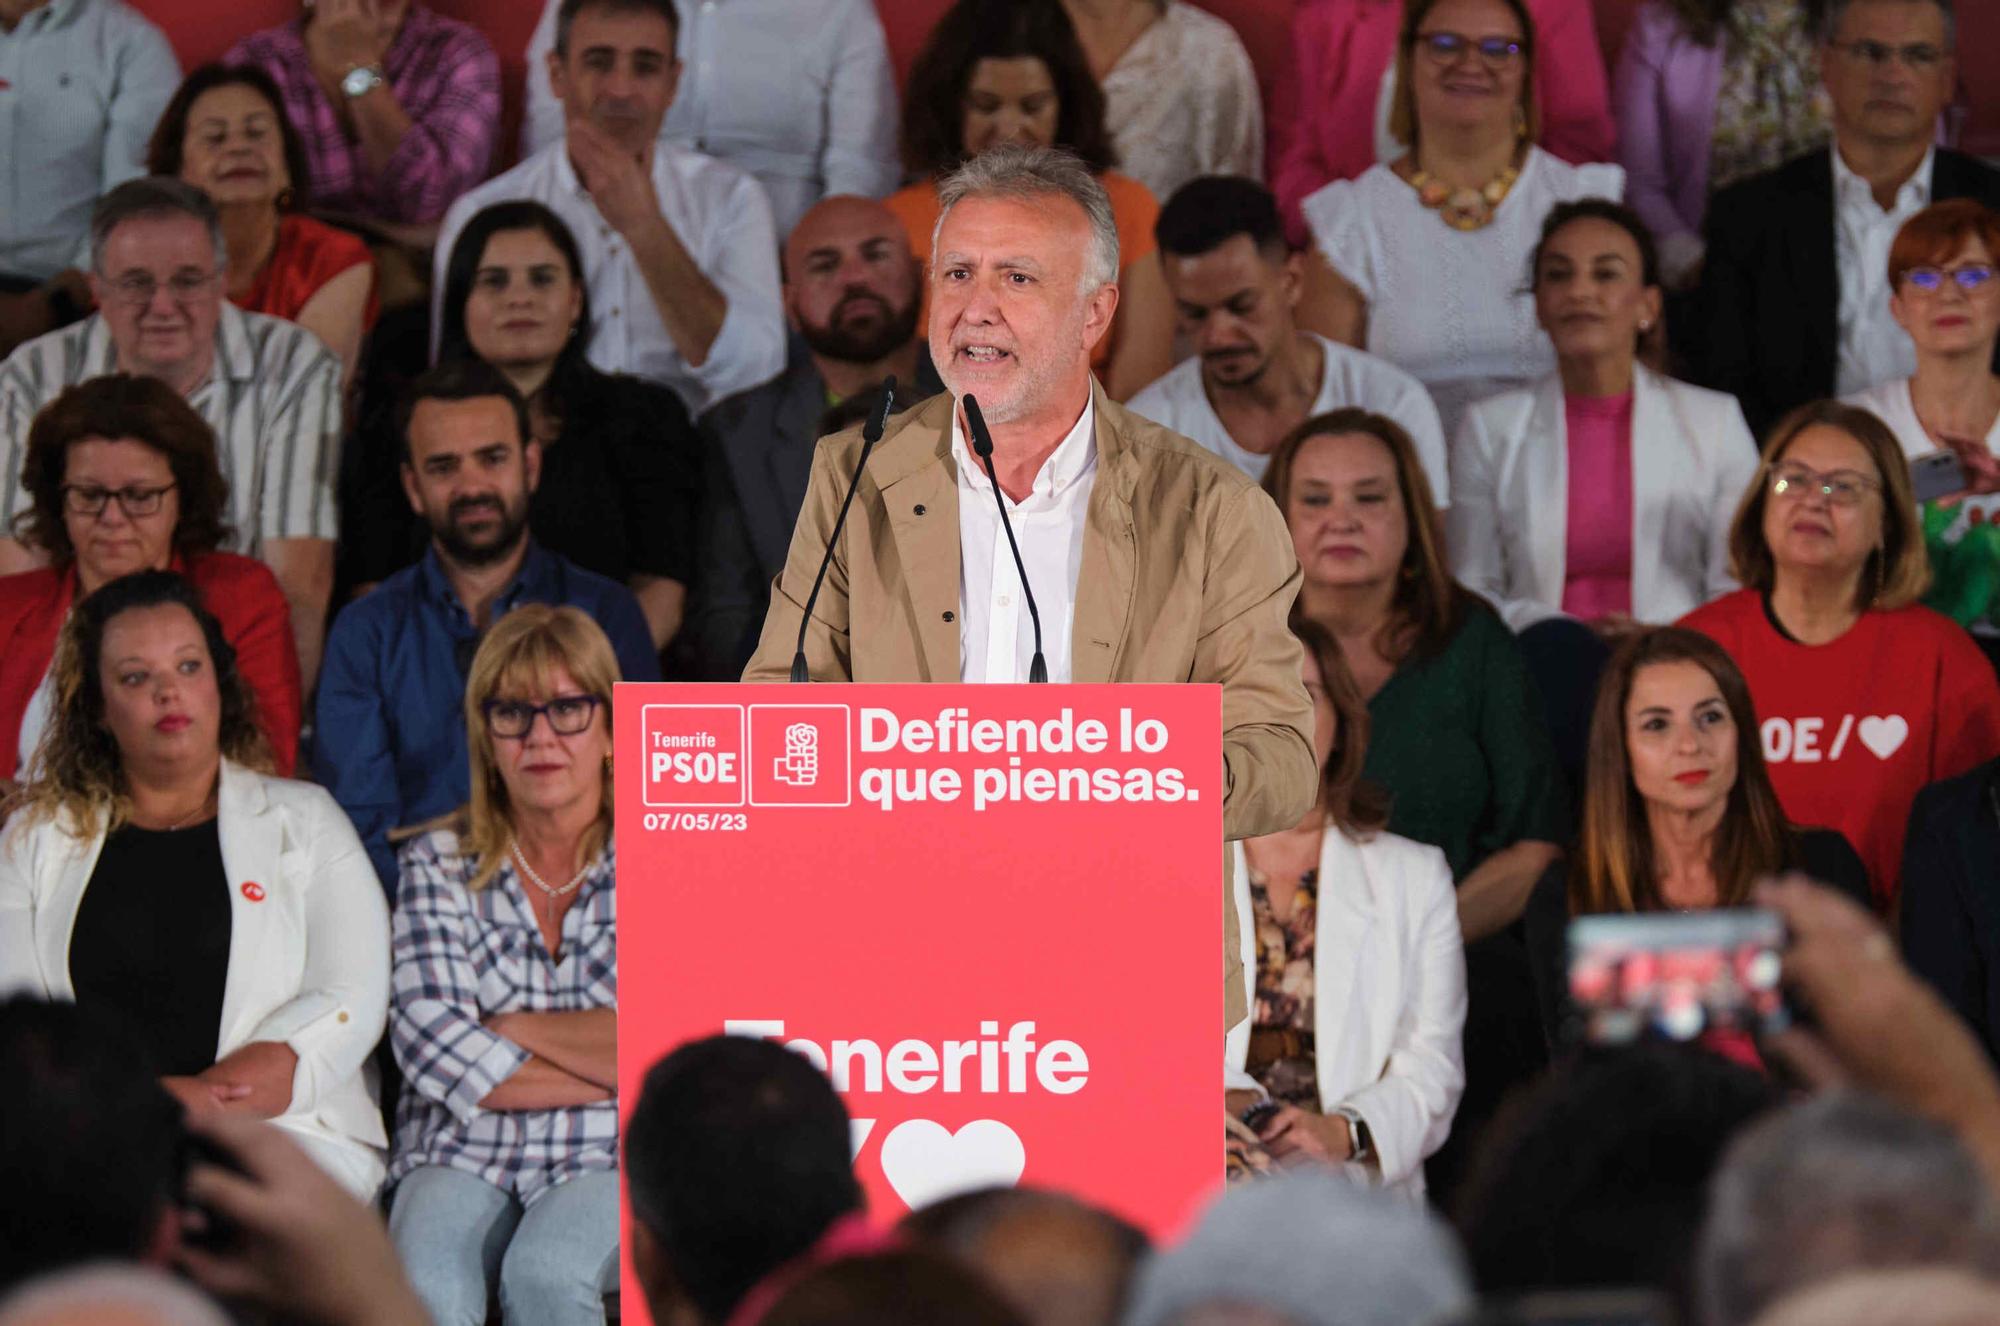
1766 320
1951 896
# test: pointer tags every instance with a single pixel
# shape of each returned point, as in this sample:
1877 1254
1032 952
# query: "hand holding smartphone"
1675 976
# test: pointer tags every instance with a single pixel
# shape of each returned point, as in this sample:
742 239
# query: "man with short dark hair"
1255 376
391 740
738 1160
678 248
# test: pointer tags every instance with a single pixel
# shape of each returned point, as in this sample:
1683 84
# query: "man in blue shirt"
390 718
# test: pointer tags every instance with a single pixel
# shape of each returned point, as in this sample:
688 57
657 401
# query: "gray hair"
1313 1248
147 1294
151 196
1842 1182
1033 174
1836 10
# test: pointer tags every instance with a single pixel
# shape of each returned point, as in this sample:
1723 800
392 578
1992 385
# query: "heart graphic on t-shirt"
924 1161
1884 736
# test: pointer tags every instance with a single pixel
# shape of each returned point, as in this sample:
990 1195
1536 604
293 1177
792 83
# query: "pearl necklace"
521 859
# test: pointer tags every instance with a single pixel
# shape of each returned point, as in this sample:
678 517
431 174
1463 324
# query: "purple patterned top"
447 80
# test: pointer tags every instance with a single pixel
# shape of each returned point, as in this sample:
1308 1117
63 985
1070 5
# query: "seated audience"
268 389
739 1173
905 1286
1306 1248
90 1141
1456 733
1944 294
87 81
852 294
226 133
391 739
1864 694
157 872
1950 908
1598 1175
1603 492
1839 1183
1254 375
109 1294
1710 92
804 99
505 1016
1678 813
122 473
1333 109
1794 297
1349 938
1011 71
1180 93
1420 259
678 249
398 106
1057 1260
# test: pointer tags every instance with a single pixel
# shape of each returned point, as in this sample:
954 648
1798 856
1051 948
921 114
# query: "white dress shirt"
82 83
798 93
1179 401
718 213
996 636
1182 101
1873 349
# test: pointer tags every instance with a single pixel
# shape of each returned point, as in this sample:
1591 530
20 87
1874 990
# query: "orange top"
1132 207
309 254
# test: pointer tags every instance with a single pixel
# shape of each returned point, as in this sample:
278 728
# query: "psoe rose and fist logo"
709 755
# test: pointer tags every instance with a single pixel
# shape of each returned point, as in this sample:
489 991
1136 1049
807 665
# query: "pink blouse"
1598 563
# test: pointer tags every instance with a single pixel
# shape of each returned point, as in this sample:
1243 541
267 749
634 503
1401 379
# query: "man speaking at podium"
1151 559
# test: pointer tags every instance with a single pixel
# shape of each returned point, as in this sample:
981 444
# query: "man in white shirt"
798 94
82 83
678 249
1255 376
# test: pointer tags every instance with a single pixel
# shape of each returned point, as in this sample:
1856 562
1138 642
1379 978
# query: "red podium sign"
991 913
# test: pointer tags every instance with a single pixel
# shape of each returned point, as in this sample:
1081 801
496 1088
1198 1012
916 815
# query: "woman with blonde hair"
1864 694
158 872
505 1016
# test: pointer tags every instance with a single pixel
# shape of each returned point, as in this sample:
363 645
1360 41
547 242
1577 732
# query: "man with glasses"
1794 298
267 387
390 715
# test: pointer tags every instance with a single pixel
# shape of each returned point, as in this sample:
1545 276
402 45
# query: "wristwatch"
361 80
1360 1145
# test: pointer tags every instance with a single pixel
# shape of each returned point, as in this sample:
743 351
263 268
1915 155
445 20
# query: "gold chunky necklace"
1464 208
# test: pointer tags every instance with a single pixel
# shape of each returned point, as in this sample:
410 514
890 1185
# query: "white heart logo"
926 1162
1884 736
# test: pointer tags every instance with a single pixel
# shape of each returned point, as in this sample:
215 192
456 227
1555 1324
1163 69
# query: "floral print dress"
1284 1002
1771 106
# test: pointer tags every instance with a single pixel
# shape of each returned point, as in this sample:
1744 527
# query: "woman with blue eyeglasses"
1944 293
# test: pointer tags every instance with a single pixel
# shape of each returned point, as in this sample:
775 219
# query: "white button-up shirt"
799 93
1873 349
996 636
721 217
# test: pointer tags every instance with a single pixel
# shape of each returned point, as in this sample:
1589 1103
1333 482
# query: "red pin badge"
253 890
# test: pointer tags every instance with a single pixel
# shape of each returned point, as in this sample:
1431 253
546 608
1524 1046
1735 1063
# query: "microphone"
982 446
871 433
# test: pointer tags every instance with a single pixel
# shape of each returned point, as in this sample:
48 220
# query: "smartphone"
1676 976
1937 474
1258 1115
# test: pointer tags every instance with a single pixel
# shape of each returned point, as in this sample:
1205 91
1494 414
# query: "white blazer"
1508 526
308 949
1388 997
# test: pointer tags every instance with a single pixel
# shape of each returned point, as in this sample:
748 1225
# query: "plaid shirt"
447 80
461 956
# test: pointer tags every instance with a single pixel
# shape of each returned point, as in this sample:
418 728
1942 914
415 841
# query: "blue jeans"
553 1262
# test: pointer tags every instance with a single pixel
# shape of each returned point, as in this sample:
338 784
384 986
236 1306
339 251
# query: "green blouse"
1459 743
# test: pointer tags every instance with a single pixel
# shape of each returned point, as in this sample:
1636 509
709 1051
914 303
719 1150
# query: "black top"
1822 854
151 942
1951 896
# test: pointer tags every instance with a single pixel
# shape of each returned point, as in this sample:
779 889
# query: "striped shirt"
461 957
445 77
272 397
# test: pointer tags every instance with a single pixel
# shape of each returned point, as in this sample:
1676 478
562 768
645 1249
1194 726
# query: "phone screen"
1676 976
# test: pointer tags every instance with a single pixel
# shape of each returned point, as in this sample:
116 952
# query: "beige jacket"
1187 576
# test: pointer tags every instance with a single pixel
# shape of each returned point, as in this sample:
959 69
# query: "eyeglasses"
1840 487
1918 55
1448 47
138 288
568 715
1970 277
90 500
